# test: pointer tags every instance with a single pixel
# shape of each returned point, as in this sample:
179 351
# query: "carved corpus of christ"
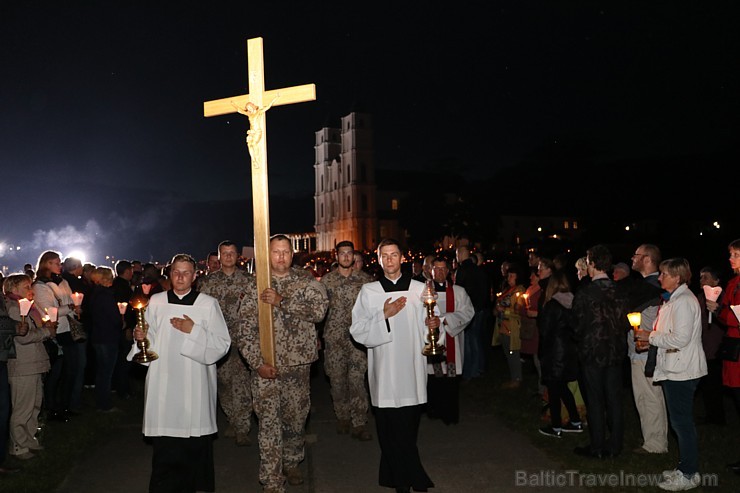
255 132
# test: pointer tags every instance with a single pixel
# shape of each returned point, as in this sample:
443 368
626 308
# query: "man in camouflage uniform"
228 285
282 392
345 362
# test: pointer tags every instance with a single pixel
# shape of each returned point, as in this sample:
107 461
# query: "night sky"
104 147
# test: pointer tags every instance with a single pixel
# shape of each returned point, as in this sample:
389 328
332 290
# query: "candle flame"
25 306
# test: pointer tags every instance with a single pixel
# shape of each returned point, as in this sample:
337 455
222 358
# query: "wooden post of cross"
253 106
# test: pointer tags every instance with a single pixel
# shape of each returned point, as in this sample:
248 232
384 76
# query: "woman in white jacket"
680 365
64 385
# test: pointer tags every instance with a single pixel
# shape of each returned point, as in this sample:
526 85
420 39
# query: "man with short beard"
282 392
345 362
228 285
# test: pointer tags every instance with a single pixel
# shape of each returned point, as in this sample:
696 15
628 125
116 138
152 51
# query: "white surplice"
454 323
396 368
181 384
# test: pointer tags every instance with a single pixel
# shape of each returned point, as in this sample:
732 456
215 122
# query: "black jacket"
557 350
600 323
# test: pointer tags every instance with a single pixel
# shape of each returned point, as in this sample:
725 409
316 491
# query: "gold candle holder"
145 355
429 297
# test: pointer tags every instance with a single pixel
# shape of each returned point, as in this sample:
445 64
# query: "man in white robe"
456 311
188 332
390 320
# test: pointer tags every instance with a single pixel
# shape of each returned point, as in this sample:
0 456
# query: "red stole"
449 340
449 308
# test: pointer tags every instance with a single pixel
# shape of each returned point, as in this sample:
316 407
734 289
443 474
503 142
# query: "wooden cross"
252 105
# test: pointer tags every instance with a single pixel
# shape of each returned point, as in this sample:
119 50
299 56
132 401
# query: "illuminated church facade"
345 197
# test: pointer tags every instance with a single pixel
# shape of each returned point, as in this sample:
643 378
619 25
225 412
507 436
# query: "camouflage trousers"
346 365
234 392
281 406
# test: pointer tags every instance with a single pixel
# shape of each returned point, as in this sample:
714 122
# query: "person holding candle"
123 292
680 365
645 297
26 370
8 329
389 319
529 333
710 386
510 307
51 290
728 318
73 271
188 332
455 311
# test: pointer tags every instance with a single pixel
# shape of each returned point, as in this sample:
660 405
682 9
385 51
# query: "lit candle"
736 310
52 311
712 294
25 306
77 298
122 307
45 318
635 318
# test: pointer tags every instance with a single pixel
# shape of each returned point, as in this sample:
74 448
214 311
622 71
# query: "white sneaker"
673 473
680 483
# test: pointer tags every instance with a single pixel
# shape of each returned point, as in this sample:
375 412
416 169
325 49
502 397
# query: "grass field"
521 411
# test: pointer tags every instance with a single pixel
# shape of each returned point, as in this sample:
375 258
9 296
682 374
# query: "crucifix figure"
251 105
254 134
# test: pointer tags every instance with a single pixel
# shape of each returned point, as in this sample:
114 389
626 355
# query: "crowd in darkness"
567 314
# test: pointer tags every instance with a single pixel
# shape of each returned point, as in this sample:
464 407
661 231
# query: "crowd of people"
586 345
569 318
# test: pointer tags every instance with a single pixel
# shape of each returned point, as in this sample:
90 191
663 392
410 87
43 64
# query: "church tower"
345 184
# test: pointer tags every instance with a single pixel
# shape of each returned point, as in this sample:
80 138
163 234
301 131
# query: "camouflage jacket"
229 291
342 292
296 341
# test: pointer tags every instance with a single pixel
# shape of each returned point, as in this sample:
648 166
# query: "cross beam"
253 106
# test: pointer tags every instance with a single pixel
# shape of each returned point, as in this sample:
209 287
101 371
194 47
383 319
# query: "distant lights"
539 229
715 224
79 255
626 228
